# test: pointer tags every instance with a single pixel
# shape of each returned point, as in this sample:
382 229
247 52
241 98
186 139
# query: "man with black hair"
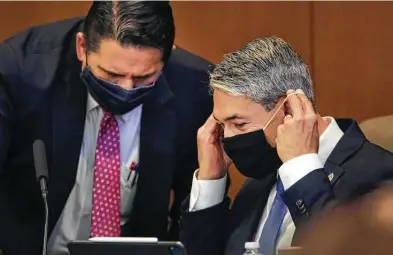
118 108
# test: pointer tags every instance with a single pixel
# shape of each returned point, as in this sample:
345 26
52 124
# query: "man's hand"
213 162
298 135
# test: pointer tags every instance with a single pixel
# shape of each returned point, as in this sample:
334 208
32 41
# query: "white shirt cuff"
295 169
206 193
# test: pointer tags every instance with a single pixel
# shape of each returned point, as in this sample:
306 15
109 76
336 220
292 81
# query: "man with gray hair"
265 122
117 106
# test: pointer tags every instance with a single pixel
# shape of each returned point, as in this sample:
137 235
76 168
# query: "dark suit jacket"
357 165
42 97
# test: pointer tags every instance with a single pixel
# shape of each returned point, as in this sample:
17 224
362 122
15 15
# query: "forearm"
309 196
307 187
204 231
204 217
206 193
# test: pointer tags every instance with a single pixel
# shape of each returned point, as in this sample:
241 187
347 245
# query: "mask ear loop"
274 115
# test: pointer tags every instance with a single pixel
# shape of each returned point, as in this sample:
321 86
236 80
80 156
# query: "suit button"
301 206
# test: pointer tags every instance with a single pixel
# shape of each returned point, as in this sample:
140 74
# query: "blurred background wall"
348 45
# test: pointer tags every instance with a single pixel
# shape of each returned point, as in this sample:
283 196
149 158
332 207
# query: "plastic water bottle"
252 248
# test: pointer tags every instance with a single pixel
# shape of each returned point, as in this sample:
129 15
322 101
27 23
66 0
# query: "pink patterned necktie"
106 190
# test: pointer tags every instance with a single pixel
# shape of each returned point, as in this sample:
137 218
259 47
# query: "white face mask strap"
274 115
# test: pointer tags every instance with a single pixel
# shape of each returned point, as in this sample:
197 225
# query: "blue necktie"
273 223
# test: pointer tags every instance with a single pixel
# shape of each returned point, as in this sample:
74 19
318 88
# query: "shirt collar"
329 139
92 104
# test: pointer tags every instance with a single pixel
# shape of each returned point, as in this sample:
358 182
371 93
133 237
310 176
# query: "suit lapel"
246 216
158 129
348 145
68 115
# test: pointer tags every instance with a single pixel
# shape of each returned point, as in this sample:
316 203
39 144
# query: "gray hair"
262 71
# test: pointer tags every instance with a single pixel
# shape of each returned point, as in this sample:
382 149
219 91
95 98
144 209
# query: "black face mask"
112 97
252 154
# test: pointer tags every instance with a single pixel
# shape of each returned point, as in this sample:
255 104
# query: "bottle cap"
251 245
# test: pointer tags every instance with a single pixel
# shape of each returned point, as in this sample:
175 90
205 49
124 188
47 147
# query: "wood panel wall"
348 45
353 58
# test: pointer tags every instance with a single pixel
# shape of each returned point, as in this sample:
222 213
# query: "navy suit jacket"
357 167
42 97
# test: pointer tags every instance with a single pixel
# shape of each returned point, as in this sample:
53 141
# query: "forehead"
226 105
128 59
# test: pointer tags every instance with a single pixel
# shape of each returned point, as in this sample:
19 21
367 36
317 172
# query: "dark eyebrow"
110 72
232 117
145 76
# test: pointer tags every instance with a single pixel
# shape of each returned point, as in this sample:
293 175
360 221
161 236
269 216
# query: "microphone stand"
41 171
44 192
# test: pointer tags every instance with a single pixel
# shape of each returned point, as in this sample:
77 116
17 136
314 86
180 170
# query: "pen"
133 167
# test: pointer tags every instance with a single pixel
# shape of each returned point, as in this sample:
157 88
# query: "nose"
127 84
228 132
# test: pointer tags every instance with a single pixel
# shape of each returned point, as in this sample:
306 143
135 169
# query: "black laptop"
125 246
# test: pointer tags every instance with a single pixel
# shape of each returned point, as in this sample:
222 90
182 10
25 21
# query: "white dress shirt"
74 222
207 193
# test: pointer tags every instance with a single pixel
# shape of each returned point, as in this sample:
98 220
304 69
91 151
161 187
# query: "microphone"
41 170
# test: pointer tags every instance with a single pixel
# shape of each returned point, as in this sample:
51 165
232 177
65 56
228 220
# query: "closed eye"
240 125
